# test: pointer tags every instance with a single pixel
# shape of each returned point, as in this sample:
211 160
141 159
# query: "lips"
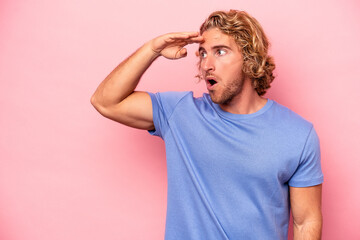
211 82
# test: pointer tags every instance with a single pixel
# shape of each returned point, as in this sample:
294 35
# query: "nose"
207 64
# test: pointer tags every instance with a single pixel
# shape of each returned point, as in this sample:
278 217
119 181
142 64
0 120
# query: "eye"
202 54
220 52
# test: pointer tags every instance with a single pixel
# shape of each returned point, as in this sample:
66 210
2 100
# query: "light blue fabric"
229 174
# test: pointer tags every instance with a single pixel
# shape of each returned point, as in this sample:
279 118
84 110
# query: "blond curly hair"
251 39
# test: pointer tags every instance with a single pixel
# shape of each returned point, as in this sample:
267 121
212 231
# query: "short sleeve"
309 171
163 105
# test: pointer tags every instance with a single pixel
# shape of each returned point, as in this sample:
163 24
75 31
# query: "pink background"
68 173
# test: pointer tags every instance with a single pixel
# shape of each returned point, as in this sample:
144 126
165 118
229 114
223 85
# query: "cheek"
231 66
226 63
225 67
201 65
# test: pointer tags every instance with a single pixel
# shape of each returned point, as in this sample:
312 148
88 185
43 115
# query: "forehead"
214 37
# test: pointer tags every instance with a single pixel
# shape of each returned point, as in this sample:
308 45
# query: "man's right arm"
115 97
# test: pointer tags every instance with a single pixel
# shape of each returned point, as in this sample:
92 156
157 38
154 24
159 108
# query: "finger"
192 34
183 35
198 39
170 40
181 53
184 42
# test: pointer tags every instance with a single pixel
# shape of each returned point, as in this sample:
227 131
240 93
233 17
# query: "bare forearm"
115 97
122 81
308 231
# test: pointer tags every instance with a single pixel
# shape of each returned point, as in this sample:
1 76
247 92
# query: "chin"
213 98
222 99
218 100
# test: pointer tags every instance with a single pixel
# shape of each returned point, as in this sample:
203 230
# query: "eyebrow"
215 47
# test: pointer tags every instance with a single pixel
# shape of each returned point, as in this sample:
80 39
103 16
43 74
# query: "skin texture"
220 59
115 97
306 210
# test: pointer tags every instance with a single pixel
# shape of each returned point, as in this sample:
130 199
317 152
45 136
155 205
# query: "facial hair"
229 92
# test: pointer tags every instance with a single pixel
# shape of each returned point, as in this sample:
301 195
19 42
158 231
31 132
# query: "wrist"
150 48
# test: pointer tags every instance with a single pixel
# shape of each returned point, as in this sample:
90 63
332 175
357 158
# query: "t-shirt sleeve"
309 171
163 105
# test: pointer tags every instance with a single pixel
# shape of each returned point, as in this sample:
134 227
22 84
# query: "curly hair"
251 39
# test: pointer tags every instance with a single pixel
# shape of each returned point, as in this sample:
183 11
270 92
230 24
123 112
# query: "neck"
246 102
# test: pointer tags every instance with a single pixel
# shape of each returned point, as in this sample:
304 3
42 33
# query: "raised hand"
172 45
116 98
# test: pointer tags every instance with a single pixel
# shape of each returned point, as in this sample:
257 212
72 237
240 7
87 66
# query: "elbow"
101 108
96 104
315 222
93 100
315 217
308 227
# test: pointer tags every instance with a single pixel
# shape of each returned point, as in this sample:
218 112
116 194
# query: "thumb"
182 53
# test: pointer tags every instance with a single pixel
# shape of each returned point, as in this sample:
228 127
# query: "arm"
115 97
306 210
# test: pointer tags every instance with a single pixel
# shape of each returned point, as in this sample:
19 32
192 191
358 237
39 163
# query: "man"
236 161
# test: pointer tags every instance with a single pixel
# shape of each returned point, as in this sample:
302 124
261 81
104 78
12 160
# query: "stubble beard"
230 91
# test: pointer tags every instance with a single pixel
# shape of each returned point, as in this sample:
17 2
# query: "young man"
236 161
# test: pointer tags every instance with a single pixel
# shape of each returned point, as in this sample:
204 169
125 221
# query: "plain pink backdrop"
68 173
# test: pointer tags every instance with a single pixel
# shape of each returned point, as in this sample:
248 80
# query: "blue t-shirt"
229 174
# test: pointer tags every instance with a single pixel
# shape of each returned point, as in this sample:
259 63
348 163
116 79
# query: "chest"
220 149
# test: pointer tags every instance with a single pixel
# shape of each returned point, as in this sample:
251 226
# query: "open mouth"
212 82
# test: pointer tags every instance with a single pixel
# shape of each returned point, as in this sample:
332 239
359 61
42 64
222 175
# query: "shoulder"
172 98
287 117
171 95
289 124
167 101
